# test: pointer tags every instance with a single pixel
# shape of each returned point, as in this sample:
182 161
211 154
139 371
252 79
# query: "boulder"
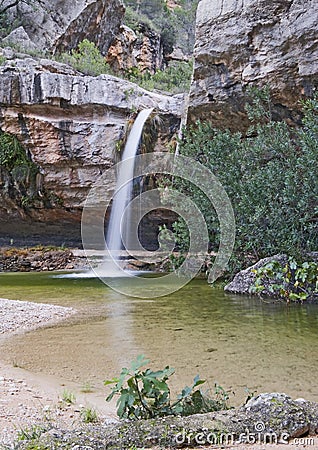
245 279
242 43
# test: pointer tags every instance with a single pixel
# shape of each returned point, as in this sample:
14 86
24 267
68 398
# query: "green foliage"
68 397
293 281
271 177
87 388
175 78
89 415
32 433
146 394
86 59
17 171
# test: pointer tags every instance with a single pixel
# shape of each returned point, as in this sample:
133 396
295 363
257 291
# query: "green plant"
68 397
175 78
29 434
270 176
292 281
146 394
18 172
89 415
87 387
86 59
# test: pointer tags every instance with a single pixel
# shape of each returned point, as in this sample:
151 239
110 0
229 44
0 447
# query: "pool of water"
238 342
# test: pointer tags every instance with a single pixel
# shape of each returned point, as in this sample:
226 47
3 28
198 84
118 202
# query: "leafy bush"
271 177
146 394
293 281
86 59
17 171
175 78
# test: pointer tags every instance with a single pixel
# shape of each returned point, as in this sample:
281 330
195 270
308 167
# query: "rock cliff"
142 51
69 124
245 42
61 25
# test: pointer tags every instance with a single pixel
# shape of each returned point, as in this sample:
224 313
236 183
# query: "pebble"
16 315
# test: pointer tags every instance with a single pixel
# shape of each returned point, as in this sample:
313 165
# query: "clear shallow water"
236 341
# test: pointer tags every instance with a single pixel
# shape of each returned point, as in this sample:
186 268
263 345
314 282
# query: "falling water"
116 226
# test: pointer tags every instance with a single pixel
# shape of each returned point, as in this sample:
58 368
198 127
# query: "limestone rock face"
128 50
70 124
19 37
253 42
61 25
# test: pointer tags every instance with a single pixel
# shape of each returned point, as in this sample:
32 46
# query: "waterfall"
117 225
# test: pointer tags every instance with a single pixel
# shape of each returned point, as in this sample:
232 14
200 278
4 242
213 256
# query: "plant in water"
89 415
68 397
292 281
145 394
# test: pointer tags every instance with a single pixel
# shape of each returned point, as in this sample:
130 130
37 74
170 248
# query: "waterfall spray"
118 226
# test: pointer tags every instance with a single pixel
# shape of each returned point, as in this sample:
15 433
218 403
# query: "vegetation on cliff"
19 176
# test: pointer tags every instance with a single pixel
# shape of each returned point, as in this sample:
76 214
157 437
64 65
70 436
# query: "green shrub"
292 281
17 171
175 78
271 177
86 59
146 394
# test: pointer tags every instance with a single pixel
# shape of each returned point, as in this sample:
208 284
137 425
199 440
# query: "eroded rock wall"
253 42
70 124
142 51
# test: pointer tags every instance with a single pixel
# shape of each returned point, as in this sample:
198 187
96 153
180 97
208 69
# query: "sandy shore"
30 402
27 399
